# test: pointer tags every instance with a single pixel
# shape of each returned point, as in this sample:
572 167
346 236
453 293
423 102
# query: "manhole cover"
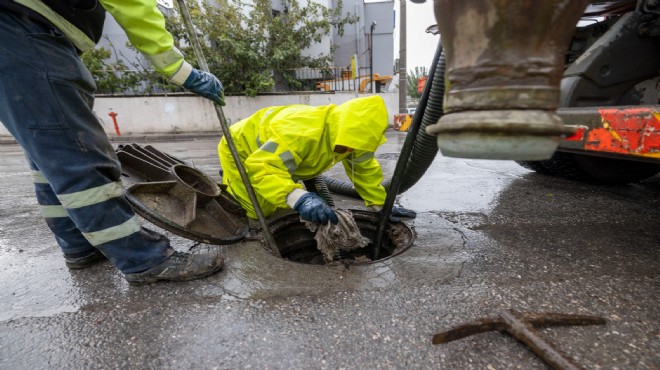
179 198
296 243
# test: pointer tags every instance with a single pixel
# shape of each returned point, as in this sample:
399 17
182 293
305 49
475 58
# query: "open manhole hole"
296 243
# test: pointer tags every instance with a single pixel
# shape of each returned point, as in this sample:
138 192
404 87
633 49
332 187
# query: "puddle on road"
35 280
461 185
253 272
37 283
34 286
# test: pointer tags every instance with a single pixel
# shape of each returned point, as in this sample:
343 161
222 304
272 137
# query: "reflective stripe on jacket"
283 145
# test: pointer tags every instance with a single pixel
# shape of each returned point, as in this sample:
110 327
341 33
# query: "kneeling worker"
283 145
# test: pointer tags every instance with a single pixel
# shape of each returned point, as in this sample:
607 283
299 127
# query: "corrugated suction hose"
425 148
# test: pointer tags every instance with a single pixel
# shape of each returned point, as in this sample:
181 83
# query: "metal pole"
403 73
201 59
356 80
406 149
371 57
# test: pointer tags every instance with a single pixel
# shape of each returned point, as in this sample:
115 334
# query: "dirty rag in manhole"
344 236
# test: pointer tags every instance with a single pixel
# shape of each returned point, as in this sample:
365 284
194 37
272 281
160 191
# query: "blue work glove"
205 85
401 212
312 208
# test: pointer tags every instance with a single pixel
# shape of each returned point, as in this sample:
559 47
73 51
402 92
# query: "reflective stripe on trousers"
46 99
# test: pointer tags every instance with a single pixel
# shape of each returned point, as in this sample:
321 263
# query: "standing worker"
46 99
283 145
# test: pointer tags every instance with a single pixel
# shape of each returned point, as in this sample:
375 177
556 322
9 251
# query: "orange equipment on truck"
610 95
402 121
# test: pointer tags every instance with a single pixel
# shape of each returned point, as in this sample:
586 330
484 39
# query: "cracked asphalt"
490 236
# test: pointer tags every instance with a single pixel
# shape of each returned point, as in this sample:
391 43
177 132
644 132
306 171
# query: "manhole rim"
412 236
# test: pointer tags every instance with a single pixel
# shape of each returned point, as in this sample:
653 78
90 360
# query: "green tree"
107 75
413 77
250 48
115 77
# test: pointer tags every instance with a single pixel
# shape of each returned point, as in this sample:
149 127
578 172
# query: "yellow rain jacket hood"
282 145
362 123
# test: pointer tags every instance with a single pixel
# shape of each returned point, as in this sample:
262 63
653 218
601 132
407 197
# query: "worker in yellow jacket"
46 103
283 145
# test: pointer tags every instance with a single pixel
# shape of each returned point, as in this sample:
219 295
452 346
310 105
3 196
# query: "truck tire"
592 169
536 166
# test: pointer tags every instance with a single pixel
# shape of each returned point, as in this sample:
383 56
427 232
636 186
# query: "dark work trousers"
46 98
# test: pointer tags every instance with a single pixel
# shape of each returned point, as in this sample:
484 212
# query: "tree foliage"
107 75
413 78
115 77
250 48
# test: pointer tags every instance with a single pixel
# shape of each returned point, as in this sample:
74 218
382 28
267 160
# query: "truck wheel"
595 170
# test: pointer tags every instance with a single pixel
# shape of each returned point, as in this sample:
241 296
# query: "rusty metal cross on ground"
522 327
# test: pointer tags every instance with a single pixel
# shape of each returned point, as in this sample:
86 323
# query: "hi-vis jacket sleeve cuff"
167 63
293 196
182 74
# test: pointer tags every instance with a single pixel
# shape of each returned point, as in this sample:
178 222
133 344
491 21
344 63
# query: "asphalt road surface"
490 236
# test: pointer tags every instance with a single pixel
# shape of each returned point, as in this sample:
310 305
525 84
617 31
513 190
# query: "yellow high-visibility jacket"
142 22
283 145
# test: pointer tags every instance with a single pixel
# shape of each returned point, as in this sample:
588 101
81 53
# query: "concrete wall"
190 114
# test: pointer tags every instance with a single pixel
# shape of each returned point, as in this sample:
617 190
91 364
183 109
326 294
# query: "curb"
143 138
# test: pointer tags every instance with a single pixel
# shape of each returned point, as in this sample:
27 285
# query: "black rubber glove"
401 212
205 85
312 208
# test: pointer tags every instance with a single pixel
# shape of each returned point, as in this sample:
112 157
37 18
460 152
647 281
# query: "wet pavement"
490 235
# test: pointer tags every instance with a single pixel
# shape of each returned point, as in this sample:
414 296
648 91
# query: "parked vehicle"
610 94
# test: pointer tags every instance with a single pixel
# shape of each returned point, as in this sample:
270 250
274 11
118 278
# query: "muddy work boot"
179 266
82 260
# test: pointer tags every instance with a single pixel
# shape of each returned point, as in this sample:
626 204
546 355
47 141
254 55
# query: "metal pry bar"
187 20
522 327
